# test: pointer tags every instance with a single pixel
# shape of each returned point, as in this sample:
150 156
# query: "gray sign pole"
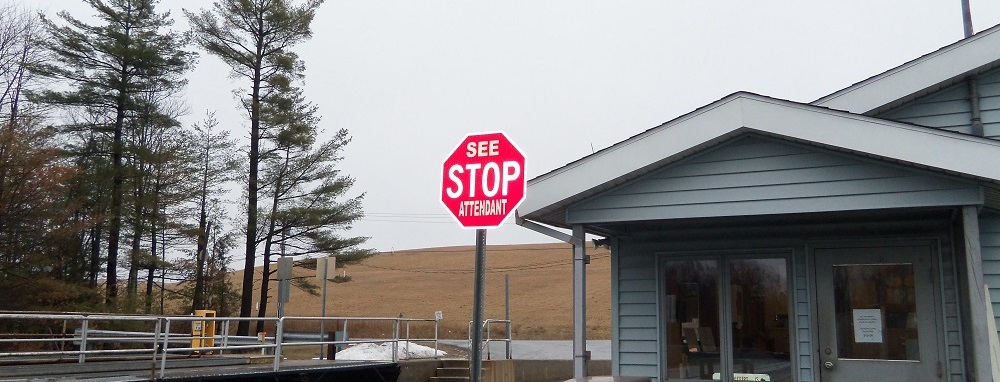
506 314
322 323
476 371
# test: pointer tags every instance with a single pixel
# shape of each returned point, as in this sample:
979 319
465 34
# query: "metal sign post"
506 314
476 371
324 266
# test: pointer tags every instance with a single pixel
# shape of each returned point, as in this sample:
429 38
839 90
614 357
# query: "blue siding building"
856 237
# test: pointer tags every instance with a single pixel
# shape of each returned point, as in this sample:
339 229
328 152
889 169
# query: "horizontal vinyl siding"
755 176
989 232
952 331
947 109
989 103
638 347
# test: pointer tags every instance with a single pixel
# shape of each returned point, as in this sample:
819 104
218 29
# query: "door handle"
828 365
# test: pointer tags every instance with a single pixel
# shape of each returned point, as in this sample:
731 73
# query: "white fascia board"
631 155
940 67
921 146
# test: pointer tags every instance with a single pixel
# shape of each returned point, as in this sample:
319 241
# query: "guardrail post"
62 344
345 336
83 341
395 340
489 337
278 339
509 338
156 344
166 345
407 336
225 336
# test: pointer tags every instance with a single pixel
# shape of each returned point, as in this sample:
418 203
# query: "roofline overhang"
930 72
743 113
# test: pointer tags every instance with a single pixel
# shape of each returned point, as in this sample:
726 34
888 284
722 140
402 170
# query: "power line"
403 214
404 217
408 221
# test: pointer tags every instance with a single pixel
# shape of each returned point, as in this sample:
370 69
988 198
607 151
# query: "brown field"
416 283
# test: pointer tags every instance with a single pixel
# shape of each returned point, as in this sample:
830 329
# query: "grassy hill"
416 283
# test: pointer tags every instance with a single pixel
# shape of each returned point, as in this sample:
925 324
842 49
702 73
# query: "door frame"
899 241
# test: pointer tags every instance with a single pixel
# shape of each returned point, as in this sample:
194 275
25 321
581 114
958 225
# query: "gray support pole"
981 368
976 119
476 357
506 297
579 305
967 18
322 323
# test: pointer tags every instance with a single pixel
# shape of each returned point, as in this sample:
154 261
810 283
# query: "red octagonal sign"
483 180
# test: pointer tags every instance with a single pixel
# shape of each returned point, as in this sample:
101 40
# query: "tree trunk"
251 239
265 279
199 283
269 242
95 252
134 263
152 266
114 234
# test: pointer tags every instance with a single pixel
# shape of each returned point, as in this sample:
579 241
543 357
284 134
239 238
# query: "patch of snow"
383 352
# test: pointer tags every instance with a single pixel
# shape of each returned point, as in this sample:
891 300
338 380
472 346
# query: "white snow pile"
383 352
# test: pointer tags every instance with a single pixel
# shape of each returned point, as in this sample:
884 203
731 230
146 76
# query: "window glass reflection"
876 311
692 311
758 297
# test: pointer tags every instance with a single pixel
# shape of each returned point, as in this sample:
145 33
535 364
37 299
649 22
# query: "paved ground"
524 349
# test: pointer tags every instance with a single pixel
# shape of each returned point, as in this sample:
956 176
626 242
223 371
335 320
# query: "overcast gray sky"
562 78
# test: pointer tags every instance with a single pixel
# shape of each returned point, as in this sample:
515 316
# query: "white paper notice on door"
868 325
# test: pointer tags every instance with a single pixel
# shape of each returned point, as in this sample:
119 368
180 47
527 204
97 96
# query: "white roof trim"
919 146
929 72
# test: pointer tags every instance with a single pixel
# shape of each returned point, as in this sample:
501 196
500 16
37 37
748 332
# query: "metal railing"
156 337
488 337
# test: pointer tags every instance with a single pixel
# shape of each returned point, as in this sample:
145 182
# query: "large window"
726 319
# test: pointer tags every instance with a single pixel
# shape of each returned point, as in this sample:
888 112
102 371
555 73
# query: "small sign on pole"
326 268
284 276
285 268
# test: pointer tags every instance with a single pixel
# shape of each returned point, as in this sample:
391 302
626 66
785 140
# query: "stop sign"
483 180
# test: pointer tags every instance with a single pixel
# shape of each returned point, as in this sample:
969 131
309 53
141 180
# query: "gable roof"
924 75
920 147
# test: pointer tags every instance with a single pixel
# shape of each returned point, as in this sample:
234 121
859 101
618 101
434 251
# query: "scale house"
853 238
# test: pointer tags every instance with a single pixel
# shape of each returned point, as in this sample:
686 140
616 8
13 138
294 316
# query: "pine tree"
216 166
105 67
254 38
304 189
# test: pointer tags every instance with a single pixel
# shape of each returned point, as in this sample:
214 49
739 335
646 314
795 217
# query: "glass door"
727 319
876 314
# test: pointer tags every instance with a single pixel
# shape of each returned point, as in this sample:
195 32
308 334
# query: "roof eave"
918 77
743 112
